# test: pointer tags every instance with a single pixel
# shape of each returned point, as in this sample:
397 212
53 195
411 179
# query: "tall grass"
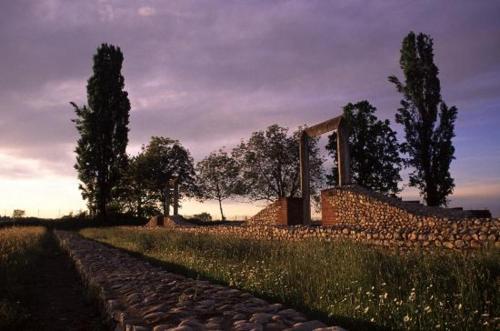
19 247
347 283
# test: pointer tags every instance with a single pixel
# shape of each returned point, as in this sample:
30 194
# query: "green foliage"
219 177
374 150
103 127
137 194
269 164
160 161
356 286
428 141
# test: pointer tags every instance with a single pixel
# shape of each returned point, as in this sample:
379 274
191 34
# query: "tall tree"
428 122
164 159
218 177
270 167
103 127
374 150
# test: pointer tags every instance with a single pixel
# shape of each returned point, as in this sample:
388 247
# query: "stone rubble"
357 214
137 296
427 234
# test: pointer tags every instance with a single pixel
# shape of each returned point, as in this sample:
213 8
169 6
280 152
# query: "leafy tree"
218 176
103 127
270 167
135 195
162 160
373 147
428 122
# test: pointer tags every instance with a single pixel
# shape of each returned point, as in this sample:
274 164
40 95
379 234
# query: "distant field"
351 284
19 248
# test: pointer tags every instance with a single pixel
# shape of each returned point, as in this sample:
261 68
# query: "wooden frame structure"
172 191
335 124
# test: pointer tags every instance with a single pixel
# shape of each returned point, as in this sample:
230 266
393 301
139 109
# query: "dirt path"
58 298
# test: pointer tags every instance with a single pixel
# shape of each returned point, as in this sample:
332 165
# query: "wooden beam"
324 127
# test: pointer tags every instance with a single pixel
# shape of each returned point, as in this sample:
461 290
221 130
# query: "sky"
210 73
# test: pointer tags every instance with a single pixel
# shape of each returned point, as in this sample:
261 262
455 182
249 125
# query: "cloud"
210 73
146 11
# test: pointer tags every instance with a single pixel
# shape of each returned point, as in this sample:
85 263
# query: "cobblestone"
136 295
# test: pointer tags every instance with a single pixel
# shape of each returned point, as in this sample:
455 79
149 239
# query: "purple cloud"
210 73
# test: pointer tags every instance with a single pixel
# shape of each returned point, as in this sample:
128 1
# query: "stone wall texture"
137 296
463 235
356 205
356 214
268 215
284 211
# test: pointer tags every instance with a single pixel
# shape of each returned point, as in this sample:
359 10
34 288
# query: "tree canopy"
428 122
269 164
101 157
219 177
137 196
162 160
373 147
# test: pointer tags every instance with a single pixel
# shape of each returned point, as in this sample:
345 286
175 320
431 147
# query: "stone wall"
269 215
449 234
356 205
167 221
354 213
284 211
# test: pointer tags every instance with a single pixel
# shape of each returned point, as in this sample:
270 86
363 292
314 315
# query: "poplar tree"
428 122
101 158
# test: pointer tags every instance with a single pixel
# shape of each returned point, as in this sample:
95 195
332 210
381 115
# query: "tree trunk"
139 207
101 209
221 212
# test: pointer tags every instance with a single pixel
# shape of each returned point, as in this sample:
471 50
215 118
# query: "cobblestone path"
136 295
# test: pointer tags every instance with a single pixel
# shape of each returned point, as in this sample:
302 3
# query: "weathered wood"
174 184
335 124
324 127
304 178
167 201
343 155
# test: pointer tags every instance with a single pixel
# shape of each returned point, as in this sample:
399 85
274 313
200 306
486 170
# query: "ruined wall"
269 215
356 205
168 221
451 234
360 215
284 211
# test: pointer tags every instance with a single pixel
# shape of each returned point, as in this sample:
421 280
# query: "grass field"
356 286
19 248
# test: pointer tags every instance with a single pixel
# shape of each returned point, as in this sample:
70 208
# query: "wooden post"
173 184
167 200
343 156
176 197
304 178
